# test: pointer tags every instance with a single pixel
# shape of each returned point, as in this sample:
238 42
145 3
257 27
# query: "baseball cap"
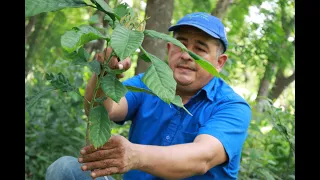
207 23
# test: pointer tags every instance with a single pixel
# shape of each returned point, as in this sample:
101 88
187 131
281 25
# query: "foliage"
55 126
269 151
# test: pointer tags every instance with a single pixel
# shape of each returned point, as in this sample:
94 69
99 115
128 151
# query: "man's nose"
185 55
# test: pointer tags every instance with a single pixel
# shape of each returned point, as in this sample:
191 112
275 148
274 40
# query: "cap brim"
173 28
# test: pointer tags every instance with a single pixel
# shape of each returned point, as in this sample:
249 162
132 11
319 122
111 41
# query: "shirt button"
167 137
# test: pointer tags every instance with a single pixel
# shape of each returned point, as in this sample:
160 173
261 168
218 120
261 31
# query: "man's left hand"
116 156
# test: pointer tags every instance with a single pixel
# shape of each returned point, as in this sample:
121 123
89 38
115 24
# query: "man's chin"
183 82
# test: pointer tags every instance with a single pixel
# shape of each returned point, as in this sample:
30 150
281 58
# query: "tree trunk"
160 13
280 84
221 8
32 44
264 86
28 28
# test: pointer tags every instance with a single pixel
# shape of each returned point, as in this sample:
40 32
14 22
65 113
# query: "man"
165 142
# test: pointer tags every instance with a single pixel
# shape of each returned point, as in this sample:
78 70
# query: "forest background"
261 68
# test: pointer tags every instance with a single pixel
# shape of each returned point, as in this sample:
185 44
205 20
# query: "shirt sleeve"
134 99
229 124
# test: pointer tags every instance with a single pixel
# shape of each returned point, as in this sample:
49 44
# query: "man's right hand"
114 61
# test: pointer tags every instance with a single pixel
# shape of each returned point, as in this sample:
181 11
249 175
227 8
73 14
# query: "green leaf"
125 42
159 79
137 89
103 6
101 99
100 129
178 102
145 58
204 64
121 10
110 21
77 37
79 57
31 100
113 88
95 66
94 19
165 37
60 82
34 7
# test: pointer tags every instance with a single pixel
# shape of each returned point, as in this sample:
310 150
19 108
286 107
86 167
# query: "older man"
165 142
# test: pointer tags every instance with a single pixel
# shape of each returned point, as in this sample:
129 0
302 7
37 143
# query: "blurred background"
261 68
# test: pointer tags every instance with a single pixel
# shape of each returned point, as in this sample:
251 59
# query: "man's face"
188 74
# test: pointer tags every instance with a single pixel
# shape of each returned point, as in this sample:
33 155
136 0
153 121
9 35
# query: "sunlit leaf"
121 10
137 89
113 88
100 130
159 79
204 64
125 41
165 37
34 7
77 37
178 102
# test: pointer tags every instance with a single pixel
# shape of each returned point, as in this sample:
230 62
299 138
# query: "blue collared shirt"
217 111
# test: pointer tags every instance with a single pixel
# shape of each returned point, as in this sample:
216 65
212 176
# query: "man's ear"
222 59
169 46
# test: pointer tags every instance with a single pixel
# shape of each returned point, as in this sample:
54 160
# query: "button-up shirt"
216 110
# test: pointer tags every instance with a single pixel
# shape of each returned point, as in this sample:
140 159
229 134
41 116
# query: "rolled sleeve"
229 124
134 99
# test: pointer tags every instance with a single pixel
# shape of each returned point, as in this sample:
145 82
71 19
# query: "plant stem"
94 96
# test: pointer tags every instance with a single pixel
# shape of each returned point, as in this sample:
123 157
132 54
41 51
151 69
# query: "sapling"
125 37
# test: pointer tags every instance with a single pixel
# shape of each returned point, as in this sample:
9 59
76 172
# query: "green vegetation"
56 124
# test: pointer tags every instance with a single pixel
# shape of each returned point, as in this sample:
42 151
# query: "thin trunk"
281 84
160 13
28 28
221 8
264 86
32 44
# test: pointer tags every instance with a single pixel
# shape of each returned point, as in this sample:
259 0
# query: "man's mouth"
186 67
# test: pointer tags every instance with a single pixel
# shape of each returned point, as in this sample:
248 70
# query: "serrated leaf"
166 37
34 7
31 100
121 10
103 6
95 66
159 79
113 88
59 81
101 99
79 57
125 41
75 38
137 89
204 64
178 102
100 129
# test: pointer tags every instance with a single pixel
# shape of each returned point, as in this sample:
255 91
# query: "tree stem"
94 97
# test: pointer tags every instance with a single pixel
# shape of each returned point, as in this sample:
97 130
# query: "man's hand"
116 156
114 61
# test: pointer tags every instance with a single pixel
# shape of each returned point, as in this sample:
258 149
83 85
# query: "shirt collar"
208 88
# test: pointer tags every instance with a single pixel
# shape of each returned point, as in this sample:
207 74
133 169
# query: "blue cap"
207 23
